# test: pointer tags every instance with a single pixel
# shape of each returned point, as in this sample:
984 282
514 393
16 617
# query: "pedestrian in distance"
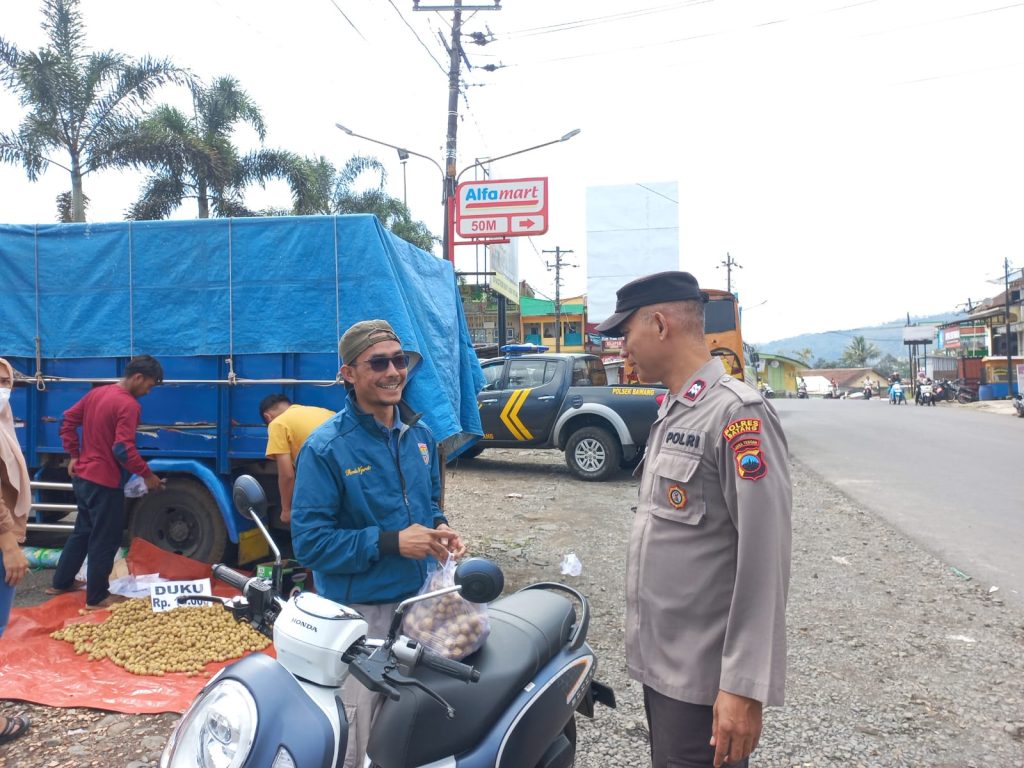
100 464
288 426
15 503
709 553
365 514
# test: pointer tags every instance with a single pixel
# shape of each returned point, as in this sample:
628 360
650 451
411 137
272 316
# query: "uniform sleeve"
124 449
69 428
318 538
753 459
277 438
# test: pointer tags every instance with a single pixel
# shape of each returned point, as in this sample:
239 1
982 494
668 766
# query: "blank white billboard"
632 230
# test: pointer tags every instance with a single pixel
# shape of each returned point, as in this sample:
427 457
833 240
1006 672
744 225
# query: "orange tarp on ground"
36 668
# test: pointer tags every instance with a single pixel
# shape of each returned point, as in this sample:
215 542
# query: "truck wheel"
472 452
183 519
593 453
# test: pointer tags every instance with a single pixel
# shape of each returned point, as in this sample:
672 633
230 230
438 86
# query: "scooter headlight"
217 731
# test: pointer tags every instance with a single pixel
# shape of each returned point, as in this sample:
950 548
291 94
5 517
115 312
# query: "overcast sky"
859 159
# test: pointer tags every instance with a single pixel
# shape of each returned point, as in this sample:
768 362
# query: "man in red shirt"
99 467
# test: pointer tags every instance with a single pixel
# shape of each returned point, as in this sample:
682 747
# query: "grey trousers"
362 705
680 733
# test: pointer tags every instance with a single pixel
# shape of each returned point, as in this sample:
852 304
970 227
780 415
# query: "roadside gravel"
894 658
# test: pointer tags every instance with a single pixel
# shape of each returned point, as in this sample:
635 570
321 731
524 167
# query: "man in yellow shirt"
288 426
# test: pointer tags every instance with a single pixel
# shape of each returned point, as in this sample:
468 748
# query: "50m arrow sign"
502 207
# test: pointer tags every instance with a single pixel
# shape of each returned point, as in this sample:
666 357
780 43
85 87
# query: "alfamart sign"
504 208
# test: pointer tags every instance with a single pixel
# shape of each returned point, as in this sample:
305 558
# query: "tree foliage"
194 157
83 103
859 352
320 188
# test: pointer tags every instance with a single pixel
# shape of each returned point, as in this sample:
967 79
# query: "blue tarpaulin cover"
235 287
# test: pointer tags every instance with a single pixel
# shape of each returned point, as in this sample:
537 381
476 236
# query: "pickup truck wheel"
593 453
183 519
472 452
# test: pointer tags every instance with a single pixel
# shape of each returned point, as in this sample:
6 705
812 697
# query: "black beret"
651 289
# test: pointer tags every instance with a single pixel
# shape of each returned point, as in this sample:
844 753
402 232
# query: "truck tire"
593 453
472 452
183 518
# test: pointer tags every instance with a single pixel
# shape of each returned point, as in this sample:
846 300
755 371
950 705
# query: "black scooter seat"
527 630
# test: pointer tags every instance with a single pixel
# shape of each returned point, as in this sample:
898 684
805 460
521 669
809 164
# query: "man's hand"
71 467
418 542
735 728
286 514
453 541
153 483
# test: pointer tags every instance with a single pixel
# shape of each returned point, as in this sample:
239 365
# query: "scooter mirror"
248 496
481 580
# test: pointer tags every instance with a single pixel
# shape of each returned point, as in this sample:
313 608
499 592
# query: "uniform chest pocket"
676 492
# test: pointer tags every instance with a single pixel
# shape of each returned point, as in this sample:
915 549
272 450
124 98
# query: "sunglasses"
380 364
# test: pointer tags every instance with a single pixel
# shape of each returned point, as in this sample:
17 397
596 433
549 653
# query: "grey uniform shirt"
709 553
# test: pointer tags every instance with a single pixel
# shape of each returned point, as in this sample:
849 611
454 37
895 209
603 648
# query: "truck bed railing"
40 485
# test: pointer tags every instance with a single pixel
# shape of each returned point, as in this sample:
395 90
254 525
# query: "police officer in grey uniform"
709 553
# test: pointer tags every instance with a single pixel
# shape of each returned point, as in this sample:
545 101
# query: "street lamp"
481 161
448 190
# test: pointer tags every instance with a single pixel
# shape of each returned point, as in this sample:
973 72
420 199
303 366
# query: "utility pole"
729 263
557 266
454 61
1006 310
456 55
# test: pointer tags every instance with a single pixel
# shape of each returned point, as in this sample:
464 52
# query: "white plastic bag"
448 625
571 565
135 487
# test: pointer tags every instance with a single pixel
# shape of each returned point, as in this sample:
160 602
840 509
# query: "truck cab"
535 399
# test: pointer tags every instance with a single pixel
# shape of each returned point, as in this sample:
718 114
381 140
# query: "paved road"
950 477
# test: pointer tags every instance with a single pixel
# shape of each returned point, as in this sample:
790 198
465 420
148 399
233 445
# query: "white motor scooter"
535 668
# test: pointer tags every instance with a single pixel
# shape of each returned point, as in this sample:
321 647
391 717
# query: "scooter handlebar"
449 667
230 577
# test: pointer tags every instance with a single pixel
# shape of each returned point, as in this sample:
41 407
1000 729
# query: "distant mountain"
829 345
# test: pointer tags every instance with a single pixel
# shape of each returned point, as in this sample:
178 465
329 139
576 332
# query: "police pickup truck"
562 401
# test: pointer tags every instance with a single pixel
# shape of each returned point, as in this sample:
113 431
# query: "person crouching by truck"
100 464
288 426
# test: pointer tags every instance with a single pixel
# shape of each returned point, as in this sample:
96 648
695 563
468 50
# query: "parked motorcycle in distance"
959 391
535 672
924 394
940 390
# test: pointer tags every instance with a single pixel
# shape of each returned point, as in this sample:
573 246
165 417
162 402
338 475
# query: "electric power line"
348 20
418 38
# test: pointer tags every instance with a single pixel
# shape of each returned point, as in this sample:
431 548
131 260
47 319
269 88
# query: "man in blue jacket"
365 514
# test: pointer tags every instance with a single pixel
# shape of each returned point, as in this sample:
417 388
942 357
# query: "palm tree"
320 188
84 103
194 158
805 355
859 352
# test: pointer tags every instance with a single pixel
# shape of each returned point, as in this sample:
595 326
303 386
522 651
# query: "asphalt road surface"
950 477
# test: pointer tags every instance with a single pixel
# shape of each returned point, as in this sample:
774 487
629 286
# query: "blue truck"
234 309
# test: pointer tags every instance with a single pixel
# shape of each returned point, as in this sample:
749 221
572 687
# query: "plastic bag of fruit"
448 625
